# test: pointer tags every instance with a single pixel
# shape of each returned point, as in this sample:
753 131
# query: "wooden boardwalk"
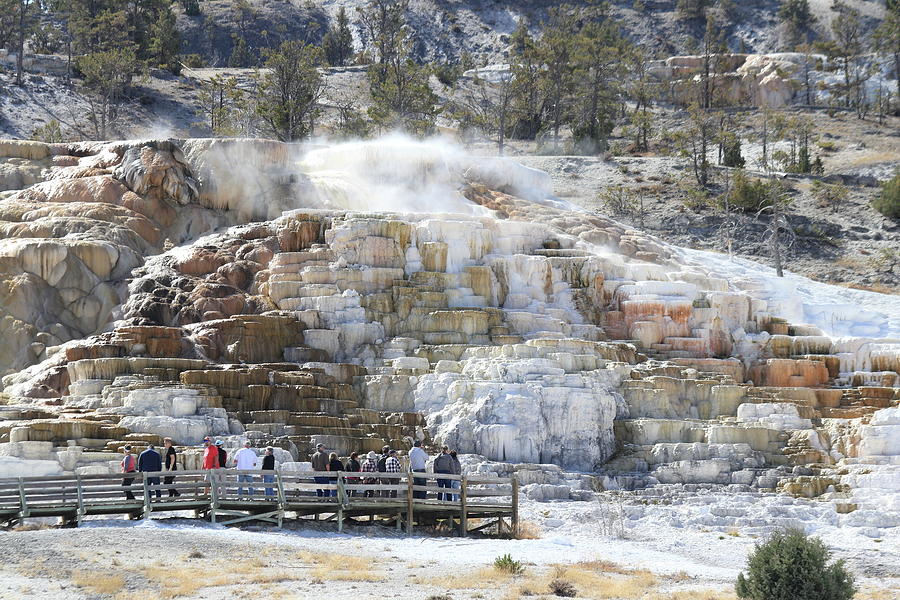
229 497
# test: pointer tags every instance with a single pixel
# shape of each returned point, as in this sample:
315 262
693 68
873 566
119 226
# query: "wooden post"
515 505
463 507
146 495
282 501
341 499
409 503
23 504
79 513
213 496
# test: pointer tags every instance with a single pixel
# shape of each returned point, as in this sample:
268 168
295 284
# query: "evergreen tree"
338 41
384 25
289 93
107 75
846 46
165 42
598 65
240 53
792 566
797 20
527 92
692 9
887 38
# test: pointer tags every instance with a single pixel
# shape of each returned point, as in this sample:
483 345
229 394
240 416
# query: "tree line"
571 78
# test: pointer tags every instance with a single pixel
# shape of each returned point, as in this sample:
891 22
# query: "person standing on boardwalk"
210 455
268 464
171 465
385 450
353 466
128 467
150 462
418 458
392 465
245 460
319 461
335 466
444 464
370 465
457 470
223 455
210 458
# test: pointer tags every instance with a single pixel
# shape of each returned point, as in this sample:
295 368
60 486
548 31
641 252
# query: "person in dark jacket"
457 470
150 462
268 464
171 465
382 468
353 466
444 464
223 456
335 466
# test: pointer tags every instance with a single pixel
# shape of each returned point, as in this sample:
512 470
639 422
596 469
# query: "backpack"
128 464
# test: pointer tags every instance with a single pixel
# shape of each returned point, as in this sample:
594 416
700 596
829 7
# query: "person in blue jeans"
320 462
151 462
444 464
268 464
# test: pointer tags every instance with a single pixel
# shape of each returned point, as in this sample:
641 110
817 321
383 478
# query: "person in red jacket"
210 457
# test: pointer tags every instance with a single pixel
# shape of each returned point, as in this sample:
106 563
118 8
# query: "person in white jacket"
245 459
418 458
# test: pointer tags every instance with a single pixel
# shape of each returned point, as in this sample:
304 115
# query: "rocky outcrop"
516 329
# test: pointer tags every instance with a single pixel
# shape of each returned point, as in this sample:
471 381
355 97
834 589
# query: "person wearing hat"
150 461
128 466
223 456
320 462
245 460
268 464
370 465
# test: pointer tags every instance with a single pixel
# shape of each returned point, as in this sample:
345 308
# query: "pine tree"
165 42
847 45
797 20
289 93
338 41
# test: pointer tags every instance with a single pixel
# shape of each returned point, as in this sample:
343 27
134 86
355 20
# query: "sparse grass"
339 567
599 580
693 595
31 527
176 582
528 530
99 583
486 577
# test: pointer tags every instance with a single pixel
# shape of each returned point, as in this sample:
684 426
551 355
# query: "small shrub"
562 588
792 566
195 554
888 202
507 564
832 195
192 61
749 194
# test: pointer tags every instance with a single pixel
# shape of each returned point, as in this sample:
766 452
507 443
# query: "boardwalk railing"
230 496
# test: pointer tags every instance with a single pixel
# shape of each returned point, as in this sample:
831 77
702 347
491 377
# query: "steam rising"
260 179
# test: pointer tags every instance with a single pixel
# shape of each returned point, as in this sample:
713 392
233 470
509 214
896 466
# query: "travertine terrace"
381 292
